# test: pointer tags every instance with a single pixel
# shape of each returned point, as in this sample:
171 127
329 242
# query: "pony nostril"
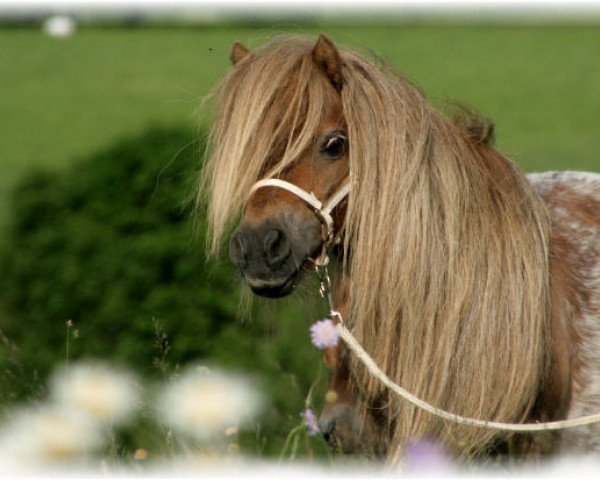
237 250
277 248
327 431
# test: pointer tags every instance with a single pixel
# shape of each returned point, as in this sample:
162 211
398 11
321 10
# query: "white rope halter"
323 212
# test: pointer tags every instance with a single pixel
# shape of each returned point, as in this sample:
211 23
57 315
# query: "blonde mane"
446 244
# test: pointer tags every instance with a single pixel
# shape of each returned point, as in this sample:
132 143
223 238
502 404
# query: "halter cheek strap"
322 211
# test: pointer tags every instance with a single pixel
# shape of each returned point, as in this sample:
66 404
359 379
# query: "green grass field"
64 98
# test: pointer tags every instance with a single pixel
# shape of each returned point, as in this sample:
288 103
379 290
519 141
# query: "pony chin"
276 288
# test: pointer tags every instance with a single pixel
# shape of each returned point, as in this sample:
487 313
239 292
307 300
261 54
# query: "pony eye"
334 146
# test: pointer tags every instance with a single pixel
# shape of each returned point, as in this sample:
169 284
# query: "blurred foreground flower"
426 456
310 421
45 435
323 334
204 403
93 389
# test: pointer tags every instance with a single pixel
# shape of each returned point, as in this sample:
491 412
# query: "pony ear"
328 59
238 53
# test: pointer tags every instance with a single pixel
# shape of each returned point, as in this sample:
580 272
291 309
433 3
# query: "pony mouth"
273 288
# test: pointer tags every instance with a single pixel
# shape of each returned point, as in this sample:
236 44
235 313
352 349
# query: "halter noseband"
322 211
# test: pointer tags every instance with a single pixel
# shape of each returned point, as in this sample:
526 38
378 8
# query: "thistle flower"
311 422
204 403
323 334
94 390
48 434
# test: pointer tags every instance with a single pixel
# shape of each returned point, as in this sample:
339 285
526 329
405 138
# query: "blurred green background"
101 141
64 98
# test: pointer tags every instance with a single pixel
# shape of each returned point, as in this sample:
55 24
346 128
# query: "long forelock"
269 108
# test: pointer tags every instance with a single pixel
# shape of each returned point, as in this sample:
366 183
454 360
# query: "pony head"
281 117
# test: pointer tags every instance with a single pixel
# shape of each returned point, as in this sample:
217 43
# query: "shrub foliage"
108 245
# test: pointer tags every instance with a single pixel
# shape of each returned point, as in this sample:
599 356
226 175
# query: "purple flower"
310 421
426 456
323 334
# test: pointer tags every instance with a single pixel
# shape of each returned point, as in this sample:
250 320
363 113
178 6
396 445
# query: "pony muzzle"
322 210
270 254
264 257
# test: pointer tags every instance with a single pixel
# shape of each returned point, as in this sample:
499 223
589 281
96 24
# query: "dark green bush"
108 245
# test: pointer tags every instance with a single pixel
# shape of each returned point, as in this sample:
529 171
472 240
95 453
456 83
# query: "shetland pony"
471 285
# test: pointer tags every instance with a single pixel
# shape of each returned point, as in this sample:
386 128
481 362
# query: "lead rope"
323 212
325 291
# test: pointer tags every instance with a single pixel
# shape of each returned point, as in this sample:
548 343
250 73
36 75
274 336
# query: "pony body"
573 199
450 279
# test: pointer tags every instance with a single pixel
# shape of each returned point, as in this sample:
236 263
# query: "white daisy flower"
93 389
46 435
205 403
59 26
